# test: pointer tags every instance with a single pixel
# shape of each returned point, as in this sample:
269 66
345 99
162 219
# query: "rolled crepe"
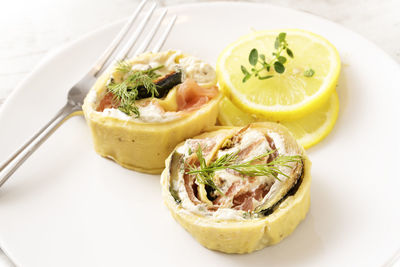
250 212
186 106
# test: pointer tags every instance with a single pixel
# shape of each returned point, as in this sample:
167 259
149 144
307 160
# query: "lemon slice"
285 96
308 130
230 115
312 128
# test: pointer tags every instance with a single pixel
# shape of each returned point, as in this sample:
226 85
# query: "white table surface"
29 29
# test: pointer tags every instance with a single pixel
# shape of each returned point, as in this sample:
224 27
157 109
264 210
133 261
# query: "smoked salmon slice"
191 96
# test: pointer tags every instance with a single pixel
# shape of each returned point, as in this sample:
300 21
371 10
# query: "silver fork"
78 92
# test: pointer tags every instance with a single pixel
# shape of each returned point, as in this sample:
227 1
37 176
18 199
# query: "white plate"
67 206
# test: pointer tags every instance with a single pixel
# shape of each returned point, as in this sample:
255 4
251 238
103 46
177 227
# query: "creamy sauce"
229 214
249 138
190 66
197 70
228 179
149 113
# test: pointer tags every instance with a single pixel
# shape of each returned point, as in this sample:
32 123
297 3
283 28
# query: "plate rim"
83 38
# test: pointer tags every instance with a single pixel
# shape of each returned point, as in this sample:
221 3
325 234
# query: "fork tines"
120 48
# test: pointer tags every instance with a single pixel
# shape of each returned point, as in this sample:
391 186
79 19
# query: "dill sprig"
123 66
205 173
127 91
205 177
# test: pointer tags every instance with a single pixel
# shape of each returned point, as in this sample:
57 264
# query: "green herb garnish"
277 61
205 173
205 177
309 73
127 91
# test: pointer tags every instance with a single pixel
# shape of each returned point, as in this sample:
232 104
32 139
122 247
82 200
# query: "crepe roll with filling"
237 190
141 109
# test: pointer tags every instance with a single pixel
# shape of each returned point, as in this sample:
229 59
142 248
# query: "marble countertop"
30 29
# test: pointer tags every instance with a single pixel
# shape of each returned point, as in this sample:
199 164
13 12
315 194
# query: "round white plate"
67 206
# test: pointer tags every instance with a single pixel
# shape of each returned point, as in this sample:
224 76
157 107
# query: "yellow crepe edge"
250 234
142 146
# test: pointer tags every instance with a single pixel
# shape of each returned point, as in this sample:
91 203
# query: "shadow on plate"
305 244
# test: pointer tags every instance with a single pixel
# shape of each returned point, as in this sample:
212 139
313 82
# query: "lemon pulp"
308 130
286 96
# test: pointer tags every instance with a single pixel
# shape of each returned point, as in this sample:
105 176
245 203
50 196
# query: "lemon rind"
326 128
310 139
295 111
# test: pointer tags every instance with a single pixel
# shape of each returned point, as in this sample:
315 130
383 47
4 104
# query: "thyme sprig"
127 91
205 172
260 64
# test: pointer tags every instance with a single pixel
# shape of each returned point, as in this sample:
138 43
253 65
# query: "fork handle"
19 156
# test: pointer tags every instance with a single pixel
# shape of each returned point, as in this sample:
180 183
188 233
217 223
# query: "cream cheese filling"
191 67
249 137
